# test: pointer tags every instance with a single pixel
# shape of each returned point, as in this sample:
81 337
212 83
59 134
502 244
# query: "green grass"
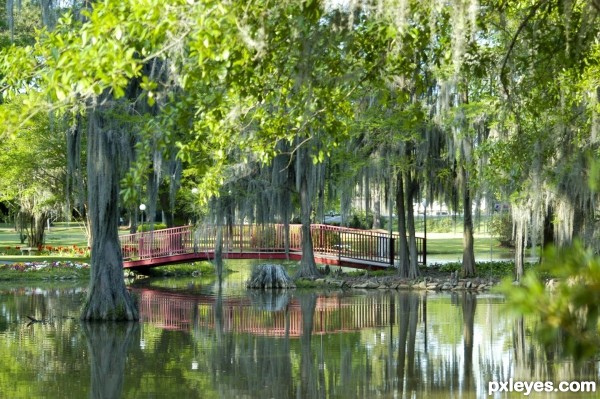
59 234
454 246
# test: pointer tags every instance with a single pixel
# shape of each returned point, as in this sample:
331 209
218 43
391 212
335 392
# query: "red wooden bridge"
338 246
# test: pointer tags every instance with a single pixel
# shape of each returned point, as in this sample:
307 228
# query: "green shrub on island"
187 269
497 269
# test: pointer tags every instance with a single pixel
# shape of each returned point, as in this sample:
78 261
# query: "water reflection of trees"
108 345
418 344
251 363
42 359
383 344
550 362
407 345
345 364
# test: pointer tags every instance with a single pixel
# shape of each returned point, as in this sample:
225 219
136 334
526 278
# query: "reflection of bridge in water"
339 246
333 314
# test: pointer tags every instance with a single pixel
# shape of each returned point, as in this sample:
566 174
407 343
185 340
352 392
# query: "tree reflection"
547 360
408 311
469 303
308 387
108 344
245 363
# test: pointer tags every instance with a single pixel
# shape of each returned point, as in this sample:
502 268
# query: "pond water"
197 340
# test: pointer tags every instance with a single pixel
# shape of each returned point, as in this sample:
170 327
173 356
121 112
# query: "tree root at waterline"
110 306
268 276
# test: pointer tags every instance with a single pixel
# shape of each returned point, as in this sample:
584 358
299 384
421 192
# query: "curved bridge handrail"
370 246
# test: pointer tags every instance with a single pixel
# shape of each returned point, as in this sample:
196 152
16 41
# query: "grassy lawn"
438 244
59 234
67 243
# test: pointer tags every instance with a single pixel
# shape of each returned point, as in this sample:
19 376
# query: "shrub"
361 220
443 224
146 227
501 227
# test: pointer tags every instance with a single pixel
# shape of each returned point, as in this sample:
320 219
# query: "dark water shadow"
108 344
270 300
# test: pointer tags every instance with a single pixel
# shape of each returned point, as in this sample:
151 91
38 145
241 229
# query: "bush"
361 220
443 224
501 227
496 269
146 227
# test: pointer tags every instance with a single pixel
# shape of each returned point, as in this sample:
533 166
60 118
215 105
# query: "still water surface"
197 340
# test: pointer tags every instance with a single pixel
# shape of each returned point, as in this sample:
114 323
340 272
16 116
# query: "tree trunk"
21 226
37 229
308 266
401 212
107 298
164 200
411 188
548 233
468 262
133 220
286 238
219 252
519 251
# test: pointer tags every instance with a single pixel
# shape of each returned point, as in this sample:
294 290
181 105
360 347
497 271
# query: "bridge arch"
333 245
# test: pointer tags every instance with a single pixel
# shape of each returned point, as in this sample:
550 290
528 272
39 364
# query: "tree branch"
513 42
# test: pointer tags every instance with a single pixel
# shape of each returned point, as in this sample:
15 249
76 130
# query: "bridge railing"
331 313
157 243
367 245
342 242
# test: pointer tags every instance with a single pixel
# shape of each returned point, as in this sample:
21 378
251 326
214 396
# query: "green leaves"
567 304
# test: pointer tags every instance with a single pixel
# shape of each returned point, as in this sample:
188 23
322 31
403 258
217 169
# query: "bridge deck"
336 246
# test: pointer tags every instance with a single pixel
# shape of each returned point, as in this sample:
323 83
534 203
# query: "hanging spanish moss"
521 220
174 169
107 297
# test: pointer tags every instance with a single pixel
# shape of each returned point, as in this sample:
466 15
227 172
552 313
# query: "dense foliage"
274 109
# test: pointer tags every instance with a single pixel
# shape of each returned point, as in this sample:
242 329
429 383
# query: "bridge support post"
392 254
